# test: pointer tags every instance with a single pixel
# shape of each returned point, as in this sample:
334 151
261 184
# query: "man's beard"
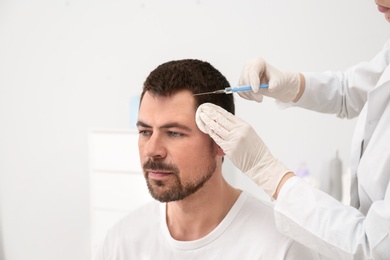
173 190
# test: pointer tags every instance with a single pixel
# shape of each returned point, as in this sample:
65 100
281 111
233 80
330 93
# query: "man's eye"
144 132
175 134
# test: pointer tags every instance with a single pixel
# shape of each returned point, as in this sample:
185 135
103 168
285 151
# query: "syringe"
231 90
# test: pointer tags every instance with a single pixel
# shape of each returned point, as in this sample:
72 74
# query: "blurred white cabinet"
117 182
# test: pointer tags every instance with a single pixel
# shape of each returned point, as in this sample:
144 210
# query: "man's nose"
155 147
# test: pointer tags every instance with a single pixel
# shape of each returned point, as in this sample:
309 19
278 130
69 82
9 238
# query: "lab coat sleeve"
342 93
331 228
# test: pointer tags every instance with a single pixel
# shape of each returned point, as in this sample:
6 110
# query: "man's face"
177 158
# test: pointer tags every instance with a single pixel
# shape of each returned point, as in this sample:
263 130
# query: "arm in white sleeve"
331 228
342 93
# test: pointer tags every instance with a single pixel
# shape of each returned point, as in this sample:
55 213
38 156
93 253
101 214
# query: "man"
199 215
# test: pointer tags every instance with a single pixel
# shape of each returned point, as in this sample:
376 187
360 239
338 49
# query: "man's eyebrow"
168 125
140 123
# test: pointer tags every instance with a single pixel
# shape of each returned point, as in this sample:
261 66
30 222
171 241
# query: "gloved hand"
283 86
242 146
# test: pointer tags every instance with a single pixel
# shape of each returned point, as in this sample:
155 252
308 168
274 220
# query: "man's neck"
197 215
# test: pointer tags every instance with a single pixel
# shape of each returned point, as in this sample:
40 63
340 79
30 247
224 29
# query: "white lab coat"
318 220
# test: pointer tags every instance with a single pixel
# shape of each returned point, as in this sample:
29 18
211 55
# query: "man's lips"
382 9
156 174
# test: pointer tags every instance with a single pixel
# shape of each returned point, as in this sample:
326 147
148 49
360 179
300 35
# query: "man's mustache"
159 165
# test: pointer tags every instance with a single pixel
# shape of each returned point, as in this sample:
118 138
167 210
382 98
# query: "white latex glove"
283 86
242 145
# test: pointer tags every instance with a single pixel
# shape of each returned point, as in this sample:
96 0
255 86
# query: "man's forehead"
183 98
179 108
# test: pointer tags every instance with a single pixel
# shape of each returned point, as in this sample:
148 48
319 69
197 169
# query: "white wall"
68 66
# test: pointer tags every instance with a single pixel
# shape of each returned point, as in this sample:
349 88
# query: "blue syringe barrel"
242 88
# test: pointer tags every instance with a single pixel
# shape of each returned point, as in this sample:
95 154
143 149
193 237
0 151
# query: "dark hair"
189 74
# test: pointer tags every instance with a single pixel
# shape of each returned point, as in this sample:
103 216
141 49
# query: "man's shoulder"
257 204
256 215
143 217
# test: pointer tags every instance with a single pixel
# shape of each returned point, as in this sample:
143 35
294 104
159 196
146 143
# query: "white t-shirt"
247 232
